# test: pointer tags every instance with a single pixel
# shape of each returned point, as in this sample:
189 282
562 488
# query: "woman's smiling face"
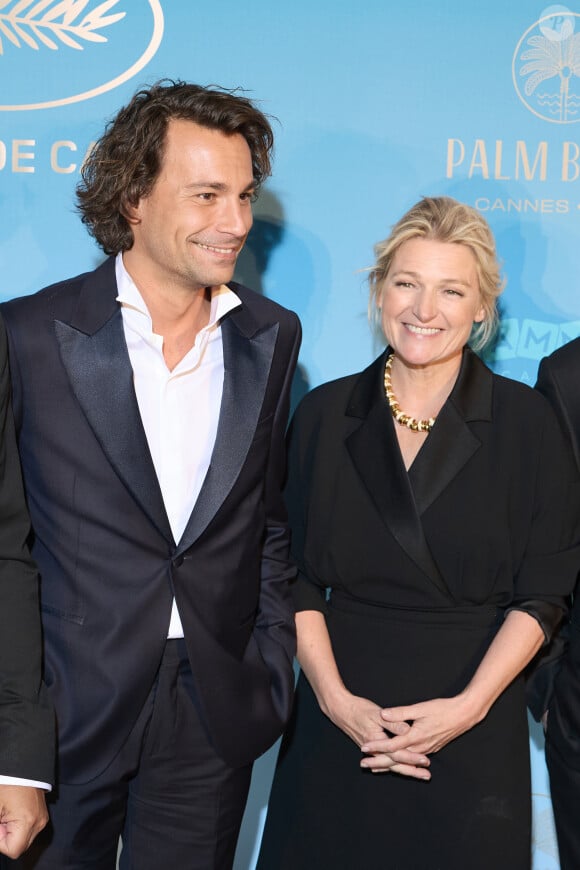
430 300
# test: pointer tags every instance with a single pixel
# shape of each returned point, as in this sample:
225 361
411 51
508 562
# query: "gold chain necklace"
402 418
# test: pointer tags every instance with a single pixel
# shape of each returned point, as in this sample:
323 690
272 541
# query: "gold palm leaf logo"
55 23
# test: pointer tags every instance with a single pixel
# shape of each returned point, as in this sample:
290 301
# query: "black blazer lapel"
248 352
451 442
95 356
375 453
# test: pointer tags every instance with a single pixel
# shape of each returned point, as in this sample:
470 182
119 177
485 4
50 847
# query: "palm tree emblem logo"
546 67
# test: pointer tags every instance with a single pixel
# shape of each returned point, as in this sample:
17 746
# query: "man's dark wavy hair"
125 162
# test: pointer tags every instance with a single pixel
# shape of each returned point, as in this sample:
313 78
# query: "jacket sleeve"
274 628
307 592
26 718
553 616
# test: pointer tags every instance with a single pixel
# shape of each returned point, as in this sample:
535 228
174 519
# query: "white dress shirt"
180 408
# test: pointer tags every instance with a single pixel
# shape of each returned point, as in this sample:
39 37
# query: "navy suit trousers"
173 802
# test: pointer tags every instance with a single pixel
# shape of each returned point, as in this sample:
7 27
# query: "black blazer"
488 514
558 380
108 562
26 717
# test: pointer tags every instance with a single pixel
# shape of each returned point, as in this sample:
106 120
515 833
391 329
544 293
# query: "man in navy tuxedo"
26 718
151 397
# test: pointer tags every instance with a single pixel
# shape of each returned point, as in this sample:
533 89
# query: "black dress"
421 567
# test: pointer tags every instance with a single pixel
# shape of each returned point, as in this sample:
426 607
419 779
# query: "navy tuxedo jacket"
108 562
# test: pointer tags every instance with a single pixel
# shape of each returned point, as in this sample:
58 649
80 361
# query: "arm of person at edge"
359 718
23 811
547 385
435 723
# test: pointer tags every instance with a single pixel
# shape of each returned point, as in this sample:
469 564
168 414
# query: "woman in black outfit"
434 511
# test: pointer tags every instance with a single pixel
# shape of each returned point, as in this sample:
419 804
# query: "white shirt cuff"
32 783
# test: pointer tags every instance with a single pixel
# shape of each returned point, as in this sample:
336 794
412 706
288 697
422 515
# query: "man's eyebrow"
215 185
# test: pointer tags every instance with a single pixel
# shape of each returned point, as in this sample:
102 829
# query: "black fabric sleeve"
307 593
27 736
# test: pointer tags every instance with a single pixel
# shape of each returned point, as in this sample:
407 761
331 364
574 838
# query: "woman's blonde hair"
443 219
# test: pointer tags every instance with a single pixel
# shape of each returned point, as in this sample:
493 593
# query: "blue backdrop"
377 104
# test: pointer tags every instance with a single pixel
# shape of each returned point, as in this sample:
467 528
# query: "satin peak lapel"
100 373
451 443
247 363
375 453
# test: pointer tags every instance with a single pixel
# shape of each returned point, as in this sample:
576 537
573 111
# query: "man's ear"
131 211
131 215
